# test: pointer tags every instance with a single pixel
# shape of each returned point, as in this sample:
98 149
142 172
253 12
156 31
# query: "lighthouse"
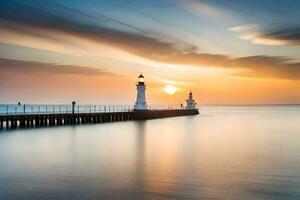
190 102
140 103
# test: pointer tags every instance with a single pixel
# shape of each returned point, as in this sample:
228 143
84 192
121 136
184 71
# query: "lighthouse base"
140 106
155 114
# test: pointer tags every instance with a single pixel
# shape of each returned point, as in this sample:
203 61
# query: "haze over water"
226 152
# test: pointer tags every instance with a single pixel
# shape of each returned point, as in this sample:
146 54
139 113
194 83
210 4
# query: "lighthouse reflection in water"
233 152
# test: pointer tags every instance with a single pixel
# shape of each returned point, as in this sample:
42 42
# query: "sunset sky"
226 52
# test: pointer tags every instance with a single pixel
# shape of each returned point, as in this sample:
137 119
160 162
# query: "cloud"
18 66
39 22
200 7
43 23
260 38
279 37
243 27
290 34
204 9
268 66
252 66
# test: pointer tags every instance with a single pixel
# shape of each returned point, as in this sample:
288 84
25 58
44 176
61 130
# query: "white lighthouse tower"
141 103
190 102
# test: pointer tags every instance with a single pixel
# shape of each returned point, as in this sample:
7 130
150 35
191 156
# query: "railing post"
7 109
73 107
24 109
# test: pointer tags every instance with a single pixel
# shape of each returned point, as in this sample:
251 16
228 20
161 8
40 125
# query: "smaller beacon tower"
190 102
141 103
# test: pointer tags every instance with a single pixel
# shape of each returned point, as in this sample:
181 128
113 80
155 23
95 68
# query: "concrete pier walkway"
13 121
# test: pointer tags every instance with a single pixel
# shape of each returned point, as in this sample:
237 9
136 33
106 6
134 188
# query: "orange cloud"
17 66
148 48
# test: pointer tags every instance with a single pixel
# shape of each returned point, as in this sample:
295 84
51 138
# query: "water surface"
233 152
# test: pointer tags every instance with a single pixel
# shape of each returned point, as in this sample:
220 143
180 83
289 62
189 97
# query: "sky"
225 51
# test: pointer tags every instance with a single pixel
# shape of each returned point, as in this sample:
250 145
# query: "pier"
30 116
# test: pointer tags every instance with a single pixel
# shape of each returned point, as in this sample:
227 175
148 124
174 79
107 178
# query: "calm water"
225 153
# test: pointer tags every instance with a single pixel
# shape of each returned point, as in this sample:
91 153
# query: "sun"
170 89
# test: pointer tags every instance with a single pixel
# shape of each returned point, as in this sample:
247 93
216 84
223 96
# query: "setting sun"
170 89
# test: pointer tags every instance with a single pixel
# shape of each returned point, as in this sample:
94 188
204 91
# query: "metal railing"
27 109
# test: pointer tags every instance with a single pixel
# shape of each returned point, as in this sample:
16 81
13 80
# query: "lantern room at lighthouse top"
141 80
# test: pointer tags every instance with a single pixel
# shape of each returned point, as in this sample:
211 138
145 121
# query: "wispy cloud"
260 38
34 21
146 45
283 36
243 27
19 66
252 66
268 66
203 8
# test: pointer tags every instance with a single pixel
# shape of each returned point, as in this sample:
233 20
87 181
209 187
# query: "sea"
225 153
